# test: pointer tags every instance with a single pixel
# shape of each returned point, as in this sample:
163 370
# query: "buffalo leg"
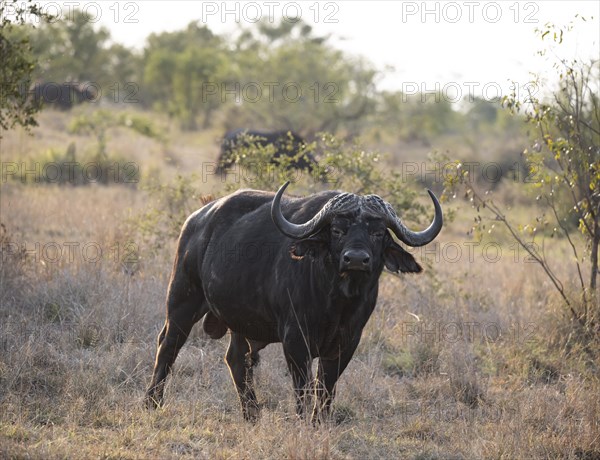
242 356
298 360
182 314
328 373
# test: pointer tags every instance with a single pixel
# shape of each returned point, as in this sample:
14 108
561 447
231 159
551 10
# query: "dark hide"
286 143
62 96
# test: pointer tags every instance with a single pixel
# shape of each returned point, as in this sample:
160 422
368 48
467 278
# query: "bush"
65 168
342 165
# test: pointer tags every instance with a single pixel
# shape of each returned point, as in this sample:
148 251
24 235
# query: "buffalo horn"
416 239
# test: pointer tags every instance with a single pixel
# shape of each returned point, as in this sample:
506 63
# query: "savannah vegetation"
492 352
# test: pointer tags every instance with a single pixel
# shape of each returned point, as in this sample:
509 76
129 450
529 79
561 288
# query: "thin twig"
573 248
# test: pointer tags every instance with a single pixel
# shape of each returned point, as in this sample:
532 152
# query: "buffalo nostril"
356 259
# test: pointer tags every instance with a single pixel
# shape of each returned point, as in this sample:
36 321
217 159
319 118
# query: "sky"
452 46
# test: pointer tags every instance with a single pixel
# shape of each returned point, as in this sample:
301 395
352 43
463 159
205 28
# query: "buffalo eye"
377 234
337 232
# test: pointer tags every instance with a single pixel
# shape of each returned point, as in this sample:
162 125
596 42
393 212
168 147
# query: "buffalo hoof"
151 401
251 413
331 417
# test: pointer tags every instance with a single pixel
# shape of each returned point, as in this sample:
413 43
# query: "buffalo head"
353 230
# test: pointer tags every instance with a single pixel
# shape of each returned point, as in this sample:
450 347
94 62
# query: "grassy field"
471 359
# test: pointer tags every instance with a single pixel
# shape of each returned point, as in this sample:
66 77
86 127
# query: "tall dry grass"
467 360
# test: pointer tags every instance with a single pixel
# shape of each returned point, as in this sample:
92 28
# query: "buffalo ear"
310 247
398 260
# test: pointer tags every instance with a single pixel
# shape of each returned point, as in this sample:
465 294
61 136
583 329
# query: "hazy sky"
452 46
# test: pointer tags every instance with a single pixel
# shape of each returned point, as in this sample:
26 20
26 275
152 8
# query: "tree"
123 68
180 68
416 117
289 78
196 72
482 112
157 78
100 121
17 65
71 50
564 172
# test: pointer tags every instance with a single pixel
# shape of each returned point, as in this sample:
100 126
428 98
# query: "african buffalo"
286 143
62 96
308 280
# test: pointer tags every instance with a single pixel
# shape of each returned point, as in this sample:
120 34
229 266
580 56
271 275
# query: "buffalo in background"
286 143
62 96
300 271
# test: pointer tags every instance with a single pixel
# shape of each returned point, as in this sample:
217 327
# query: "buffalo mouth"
354 270
357 273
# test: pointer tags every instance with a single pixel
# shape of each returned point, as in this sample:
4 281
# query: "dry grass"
464 361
